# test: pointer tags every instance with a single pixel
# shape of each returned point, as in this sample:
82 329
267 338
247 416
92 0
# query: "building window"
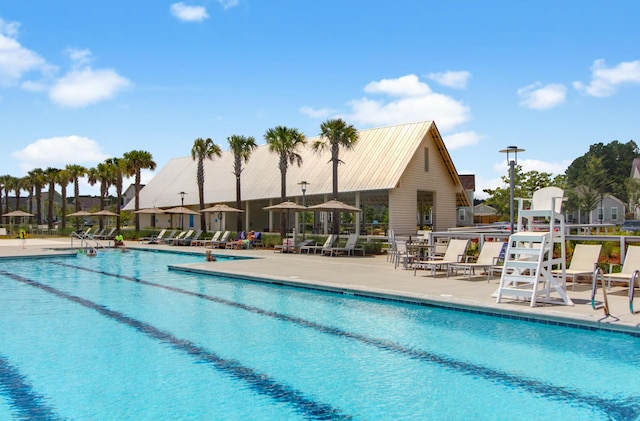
426 159
461 214
600 214
614 214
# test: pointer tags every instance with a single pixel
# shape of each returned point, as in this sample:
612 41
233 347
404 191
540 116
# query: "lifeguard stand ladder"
529 259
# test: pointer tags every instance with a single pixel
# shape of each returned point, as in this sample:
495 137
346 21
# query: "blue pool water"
120 337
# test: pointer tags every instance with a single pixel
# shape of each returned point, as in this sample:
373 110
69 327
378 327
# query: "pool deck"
375 276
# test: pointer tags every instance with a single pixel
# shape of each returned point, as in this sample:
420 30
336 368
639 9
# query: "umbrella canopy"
286 206
221 207
182 210
105 212
81 213
18 213
151 210
332 205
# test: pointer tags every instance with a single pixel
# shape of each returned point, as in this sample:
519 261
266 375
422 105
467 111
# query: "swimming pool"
118 336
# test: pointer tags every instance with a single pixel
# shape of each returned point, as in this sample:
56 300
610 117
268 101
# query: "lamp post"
182 214
303 185
512 161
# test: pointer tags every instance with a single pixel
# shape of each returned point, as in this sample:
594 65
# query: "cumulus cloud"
604 80
461 139
79 57
317 113
189 13
412 101
80 88
542 97
15 60
451 79
56 152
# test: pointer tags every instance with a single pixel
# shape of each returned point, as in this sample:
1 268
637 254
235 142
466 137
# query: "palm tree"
51 177
64 178
6 186
75 172
27 185
241 147
38 180
336 134
285 142
118 171
201 150
17 187
101 174
135 161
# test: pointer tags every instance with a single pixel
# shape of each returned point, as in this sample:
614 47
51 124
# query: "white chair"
488 257
456 250
630 265
349 248
583 262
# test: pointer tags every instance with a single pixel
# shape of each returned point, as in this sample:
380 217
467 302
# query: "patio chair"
583 262
95 235
456 250
205 241
630 265
349 248
487 259
107 236
403 255
237 242
222 242
287 246
164 240
331 239
190 240
154 238
177 241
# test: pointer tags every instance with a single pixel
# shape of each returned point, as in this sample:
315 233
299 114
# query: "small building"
393 173
610 210
484 214
466 213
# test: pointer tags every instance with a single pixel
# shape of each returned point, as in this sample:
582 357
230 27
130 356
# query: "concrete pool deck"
374 276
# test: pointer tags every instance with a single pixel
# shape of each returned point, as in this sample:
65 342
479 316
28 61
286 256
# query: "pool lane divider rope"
28 404
259 382
628 408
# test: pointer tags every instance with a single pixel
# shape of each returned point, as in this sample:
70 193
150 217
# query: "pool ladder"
598 275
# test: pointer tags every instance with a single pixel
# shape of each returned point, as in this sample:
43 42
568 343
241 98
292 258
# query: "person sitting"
118 241
91 252
210 257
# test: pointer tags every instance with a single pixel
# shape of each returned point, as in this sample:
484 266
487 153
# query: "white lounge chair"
222 242
154 238
326 246
349 248
630 265
164 240
487 258
216 237
583 262
456 250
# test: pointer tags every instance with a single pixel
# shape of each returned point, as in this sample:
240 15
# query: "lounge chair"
164 240
198 241
180 239
171 240
154 238
630 265
107 236
456 250
96 235
326 246
487 259
287 246
349 248
222 242
583 262
215 237
187 241
257 240
237 242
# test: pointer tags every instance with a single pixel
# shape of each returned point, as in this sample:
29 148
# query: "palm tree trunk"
238 204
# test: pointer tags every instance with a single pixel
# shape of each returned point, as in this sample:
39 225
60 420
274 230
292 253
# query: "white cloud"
79 57
15 60
451 79
189 13
228 4
415 102
604 80
317 113
60 151
539 97
80 88
9 29
461 139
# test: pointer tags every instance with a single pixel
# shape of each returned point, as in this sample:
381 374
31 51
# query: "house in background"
465 213
610 210
484 214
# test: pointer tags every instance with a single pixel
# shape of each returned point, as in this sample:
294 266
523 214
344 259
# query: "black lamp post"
182 214
512 161
303 185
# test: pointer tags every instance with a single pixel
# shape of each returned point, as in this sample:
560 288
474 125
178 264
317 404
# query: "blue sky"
83 81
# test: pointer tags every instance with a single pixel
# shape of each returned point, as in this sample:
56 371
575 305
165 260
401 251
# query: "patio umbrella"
104 212
16 213
288 206
182 211
334 205
220 208
151 211
80 213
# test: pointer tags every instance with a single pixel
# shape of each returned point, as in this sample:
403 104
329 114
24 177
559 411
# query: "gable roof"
377 162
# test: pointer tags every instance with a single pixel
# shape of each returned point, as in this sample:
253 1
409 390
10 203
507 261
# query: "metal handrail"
594 290
632 284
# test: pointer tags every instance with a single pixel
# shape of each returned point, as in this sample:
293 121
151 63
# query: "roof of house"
377 162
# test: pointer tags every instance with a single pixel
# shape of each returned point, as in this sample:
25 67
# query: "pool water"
120 337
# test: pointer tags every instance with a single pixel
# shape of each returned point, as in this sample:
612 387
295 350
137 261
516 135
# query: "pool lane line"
629 408
28 404
259 382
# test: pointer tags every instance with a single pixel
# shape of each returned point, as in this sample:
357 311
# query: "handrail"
594 290
632 284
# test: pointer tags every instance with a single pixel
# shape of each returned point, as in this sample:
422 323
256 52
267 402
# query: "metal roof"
376 162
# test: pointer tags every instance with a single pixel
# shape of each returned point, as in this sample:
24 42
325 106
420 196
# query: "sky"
83 81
